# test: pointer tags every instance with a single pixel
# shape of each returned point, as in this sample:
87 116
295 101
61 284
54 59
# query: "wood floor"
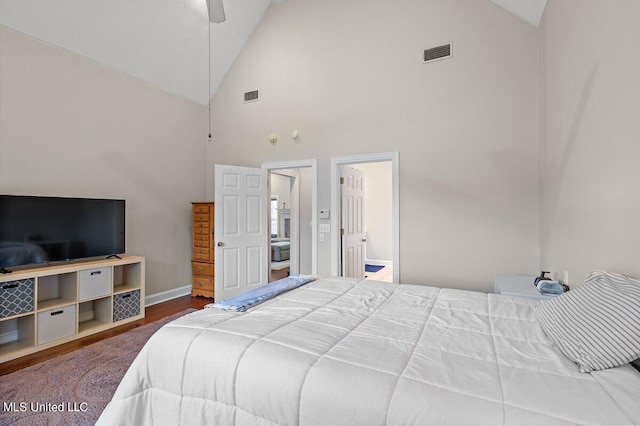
152 313
277 274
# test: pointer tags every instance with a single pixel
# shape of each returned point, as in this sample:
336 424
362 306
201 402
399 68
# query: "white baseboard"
379 262
153 299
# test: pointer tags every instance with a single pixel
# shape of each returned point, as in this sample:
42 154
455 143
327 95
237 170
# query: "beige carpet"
74 388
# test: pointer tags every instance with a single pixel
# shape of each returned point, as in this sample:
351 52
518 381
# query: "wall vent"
436 53
251 96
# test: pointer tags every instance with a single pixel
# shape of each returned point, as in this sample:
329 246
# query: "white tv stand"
44 307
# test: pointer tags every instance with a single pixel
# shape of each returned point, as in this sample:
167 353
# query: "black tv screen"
36 230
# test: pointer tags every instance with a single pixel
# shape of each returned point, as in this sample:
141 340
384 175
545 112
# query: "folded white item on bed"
344 351
244 301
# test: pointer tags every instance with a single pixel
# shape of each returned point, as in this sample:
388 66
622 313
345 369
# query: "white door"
353 234
241 230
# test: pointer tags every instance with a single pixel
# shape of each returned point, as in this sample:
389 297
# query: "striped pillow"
596 325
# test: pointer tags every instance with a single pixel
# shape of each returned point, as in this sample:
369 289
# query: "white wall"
590 198
70 127
347 75
378 202
281 187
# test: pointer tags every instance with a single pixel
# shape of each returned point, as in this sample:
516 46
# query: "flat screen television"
41 230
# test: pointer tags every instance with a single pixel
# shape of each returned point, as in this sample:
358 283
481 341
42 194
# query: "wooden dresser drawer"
202 256
205 269
201 243
201 225
201 250
201 231
202 237
203 283
201 208
201 217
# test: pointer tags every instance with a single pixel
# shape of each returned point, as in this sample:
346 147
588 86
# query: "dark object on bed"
542 277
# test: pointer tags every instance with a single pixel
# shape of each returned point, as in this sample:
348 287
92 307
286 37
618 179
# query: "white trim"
285 172
163 296
336 163
296 164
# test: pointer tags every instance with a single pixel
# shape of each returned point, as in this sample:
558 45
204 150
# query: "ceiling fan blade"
216 11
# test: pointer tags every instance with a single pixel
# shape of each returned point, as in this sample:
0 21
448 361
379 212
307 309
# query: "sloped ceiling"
529 10
162 42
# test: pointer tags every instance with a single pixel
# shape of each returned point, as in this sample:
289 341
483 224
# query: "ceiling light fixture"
216 11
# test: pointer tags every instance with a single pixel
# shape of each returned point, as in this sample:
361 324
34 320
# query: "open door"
353 233
241 230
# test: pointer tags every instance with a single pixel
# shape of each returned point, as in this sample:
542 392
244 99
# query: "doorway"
377 166
284 188
377 221
293 218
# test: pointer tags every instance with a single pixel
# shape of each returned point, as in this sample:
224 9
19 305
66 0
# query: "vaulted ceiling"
167 43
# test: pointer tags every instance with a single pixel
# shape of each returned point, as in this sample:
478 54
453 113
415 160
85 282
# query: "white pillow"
596 325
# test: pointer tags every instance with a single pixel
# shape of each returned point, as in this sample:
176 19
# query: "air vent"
251 96
436 53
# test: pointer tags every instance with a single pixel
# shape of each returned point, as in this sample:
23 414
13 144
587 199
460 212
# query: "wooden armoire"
202 260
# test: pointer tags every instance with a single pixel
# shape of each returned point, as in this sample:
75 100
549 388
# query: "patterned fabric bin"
126 305
16 297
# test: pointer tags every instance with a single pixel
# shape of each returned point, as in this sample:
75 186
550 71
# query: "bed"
345 351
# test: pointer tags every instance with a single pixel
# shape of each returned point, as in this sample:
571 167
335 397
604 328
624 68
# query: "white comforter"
343 351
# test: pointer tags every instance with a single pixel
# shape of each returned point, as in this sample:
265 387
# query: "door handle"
364 240
220 244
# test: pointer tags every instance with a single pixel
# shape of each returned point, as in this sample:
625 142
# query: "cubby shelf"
65 302
124 288
91 325
59 302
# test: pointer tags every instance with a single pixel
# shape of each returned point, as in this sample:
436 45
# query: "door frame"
336 164
298 164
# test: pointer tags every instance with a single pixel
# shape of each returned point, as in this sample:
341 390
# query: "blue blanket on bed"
244 301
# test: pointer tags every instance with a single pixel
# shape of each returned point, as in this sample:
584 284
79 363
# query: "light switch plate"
325 228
